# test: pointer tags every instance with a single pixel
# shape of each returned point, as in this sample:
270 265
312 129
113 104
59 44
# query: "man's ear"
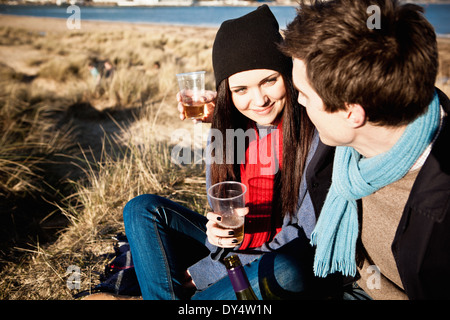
356 115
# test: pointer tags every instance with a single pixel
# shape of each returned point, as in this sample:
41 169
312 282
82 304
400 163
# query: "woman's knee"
140 207
293 274
286 272
290 276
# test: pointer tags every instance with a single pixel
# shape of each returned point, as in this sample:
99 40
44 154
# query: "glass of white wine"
192 90
224 198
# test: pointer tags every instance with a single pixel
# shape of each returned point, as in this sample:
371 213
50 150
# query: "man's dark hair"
390 71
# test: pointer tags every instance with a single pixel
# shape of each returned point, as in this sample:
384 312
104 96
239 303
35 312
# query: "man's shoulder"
444 100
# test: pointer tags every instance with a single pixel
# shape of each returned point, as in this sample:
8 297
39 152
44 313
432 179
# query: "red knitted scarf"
263 159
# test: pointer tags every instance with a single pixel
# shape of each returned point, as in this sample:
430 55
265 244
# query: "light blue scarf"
355 177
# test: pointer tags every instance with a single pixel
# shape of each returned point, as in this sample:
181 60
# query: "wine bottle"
238 278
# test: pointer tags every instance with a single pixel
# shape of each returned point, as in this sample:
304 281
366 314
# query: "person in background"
370 92
108 71
93 70
177 252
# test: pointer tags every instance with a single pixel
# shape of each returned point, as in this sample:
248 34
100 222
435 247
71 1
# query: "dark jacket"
421 246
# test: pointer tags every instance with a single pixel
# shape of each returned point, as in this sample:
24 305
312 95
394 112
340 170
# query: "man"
369 89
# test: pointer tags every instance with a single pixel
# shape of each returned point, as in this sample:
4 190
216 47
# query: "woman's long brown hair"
297 135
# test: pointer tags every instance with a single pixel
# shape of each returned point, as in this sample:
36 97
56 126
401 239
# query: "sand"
59 25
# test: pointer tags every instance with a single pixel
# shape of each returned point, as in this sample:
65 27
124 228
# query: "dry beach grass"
73 154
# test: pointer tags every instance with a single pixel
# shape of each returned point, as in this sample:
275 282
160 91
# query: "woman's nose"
259 98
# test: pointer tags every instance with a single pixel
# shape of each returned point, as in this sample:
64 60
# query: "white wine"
238 278
194 110
236 223
238 233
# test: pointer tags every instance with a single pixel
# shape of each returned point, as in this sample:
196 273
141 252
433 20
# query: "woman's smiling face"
258 94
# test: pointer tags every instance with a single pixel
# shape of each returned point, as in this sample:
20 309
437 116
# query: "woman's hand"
188 282
210 103
219 236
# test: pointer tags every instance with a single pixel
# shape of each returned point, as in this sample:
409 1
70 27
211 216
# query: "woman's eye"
270 81
240 91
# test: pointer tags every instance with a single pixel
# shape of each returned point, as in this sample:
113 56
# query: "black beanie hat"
247 43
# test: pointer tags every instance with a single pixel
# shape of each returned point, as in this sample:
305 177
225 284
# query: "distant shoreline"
50 24
92 8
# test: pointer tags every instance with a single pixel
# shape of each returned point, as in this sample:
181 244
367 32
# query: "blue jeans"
166 238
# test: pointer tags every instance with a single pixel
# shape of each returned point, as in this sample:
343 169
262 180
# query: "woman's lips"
264 111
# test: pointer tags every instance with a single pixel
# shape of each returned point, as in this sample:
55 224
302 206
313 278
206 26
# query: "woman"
177 253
